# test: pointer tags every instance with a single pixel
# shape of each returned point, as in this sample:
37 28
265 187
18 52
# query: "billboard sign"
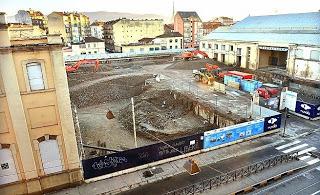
272 122
102 165
232 133
306 109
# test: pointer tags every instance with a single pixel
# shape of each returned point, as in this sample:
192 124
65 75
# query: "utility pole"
134 124
285 122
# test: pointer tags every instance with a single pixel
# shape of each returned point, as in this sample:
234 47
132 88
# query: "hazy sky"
207 9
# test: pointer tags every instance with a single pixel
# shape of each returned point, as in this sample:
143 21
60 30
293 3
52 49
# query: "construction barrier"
311 111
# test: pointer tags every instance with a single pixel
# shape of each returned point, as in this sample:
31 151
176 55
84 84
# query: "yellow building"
33 17
25 30
73 27
127 31
38 149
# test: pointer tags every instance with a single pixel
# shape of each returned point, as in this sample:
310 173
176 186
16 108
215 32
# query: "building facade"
33 17
91 45
97 29
225 21
128 31
166 41
38 149
289 42
208 27
189 25
73 27
25 30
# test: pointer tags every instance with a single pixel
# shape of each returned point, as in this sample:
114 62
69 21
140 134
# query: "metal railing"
234 175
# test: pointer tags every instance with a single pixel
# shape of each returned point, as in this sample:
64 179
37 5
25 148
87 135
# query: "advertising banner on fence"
139 156
232 133
272 122
306 109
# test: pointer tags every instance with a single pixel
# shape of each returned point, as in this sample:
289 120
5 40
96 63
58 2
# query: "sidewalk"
128 181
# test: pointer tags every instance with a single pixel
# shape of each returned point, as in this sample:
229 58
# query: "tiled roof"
92 40
170 34
301 28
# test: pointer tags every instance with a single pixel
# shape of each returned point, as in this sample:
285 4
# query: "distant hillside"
106 16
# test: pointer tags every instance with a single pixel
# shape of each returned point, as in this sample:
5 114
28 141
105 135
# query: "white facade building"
97 29
91 45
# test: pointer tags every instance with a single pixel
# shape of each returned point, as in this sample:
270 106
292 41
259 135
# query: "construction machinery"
75 67
208 74
189 55
267 91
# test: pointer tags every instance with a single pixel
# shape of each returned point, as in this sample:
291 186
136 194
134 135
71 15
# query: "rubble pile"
193 64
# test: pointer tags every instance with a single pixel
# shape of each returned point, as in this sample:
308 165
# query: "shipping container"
228 78
243 75
249 85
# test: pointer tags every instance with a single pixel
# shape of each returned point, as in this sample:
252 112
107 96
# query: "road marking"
317 192
306 150
311 162
287 145
304 157
295 148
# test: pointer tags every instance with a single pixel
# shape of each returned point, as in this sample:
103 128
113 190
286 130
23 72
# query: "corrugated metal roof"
307 39
300 28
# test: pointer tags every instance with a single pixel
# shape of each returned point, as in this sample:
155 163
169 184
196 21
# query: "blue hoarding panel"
318 111
232 133
272 122
306 109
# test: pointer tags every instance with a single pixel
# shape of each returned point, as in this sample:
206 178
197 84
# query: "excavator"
75 67
189 55
208 74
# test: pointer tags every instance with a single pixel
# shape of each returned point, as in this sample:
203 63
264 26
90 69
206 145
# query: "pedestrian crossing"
303 150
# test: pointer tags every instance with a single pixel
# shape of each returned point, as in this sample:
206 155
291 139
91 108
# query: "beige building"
73 27
25 30
91 45
38 149
128 31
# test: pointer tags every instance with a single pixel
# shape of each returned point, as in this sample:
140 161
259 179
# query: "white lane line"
304 157
295 148
311 162
287 145
317 192
306 150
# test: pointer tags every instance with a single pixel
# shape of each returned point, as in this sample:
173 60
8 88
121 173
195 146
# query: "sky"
206 9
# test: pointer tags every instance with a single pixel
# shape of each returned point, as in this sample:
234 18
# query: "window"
299 53
238 51
203 45
209 46
50 156
35 77
151 49
95 52
88 45
315 55
231 47
170 47
163 47
223 47
94 45
216 46
157 48
176 40
8 172
170 40
176 47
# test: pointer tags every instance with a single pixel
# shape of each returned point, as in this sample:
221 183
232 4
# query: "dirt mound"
160 114
120 88
194 64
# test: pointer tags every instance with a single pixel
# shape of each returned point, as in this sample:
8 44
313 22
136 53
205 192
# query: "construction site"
169 102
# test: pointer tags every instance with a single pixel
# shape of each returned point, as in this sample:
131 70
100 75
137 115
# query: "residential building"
38 148
166 41
287 41
168 28
189 25
128 31
72 26
208 27
90 45
25 30
33 17
225 21
97 29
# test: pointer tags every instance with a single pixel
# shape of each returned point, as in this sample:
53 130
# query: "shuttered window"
8 171
49 151
35 76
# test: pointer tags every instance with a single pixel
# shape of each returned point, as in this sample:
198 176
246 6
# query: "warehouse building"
290 42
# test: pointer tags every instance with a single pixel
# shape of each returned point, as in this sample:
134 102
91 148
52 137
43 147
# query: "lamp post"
134 124
286 115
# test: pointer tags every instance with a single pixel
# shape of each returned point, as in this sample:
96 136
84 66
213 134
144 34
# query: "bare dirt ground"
157 112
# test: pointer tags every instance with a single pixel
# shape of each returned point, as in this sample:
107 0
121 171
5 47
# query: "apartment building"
73 27
225 21
25 30
189 25
97 29
128 31
38 148
34 17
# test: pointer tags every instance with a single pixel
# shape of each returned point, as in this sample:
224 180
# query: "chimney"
4 31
